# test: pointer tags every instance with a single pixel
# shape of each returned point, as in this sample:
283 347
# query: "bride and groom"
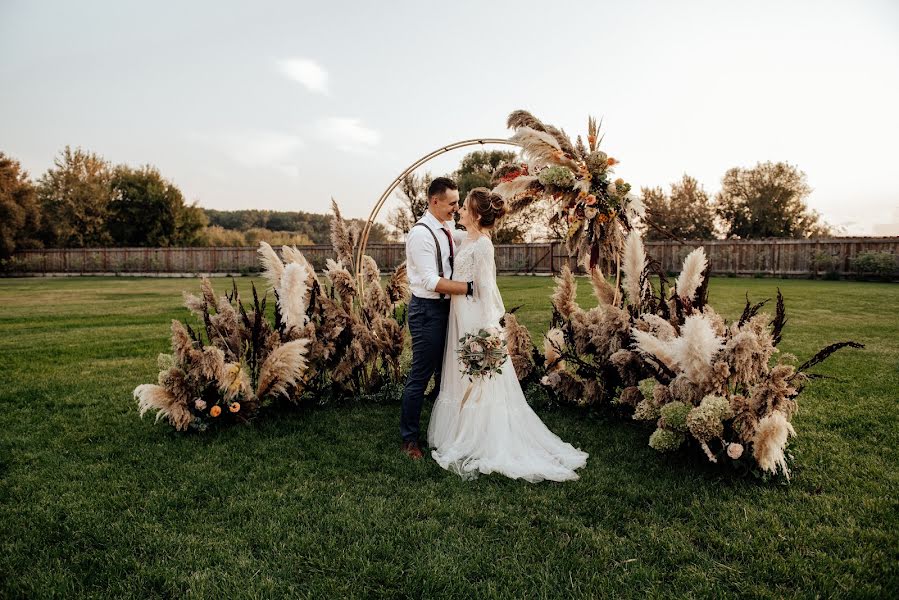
452 274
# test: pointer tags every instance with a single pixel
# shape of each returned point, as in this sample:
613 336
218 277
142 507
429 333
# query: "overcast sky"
282 105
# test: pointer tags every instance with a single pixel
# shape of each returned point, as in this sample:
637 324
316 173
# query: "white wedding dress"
494 431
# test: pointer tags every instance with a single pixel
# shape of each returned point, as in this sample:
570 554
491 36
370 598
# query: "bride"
493 431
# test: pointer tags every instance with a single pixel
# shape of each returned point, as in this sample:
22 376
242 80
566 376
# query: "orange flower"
591 200
611 161
235 406
591 139
215 410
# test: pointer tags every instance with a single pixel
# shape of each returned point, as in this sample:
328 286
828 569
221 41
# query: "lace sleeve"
487 301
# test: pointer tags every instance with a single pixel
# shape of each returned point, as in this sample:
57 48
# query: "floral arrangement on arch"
664 355
324 339
597 208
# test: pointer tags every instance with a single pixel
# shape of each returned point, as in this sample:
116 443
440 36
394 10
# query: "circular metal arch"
363 239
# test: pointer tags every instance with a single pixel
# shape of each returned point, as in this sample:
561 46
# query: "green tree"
686 212
147 210
74 196
20 212
767 200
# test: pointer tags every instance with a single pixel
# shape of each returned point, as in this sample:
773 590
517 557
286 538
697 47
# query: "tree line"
84 201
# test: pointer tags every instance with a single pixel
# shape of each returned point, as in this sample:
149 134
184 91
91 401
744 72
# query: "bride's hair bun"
487 207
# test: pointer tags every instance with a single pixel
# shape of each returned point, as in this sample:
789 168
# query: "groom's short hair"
440 186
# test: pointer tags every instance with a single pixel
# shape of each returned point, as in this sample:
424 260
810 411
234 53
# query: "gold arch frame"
363 239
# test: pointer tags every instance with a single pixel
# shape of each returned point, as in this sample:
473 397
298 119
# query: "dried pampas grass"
292 255
343 282
632 267
169 407
539 148
398 286
696 347
518 342
553 344
690 277
341 237
603 291
564 295
770 441
272 267
292 295
282 369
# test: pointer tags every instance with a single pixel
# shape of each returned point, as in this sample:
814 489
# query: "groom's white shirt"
421 255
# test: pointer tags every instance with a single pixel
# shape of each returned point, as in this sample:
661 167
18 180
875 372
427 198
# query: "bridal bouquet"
482 354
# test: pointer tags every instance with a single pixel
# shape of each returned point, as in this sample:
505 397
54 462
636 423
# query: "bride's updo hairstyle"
485 206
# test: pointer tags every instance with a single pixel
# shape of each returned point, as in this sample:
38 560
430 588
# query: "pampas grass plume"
770 440
690 277
632 266
292 295
272 267
283 368
154 397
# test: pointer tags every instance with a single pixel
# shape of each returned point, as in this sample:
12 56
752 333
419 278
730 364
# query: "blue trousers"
427 325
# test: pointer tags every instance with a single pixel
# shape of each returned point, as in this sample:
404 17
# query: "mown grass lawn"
320 503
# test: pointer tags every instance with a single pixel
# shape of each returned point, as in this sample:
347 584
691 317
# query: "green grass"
320 503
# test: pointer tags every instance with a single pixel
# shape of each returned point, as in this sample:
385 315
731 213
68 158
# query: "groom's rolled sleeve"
422 257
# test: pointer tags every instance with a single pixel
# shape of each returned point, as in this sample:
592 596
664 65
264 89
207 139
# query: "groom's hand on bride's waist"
448 286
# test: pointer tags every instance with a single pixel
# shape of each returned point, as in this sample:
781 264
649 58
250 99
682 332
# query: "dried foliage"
726 391
324 341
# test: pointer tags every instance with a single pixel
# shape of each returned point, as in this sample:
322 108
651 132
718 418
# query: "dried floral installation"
325 339
598 209
666 356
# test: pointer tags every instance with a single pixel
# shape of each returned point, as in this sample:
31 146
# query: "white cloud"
307 72
262 150
348 134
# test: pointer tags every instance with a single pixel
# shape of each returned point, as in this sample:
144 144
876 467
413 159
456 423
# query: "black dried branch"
751 309
780 319
660 370
702 294
822 354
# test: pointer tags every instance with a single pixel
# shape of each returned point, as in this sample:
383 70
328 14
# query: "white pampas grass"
511 189
770 440
690 277
283 368
659 326
539 148
292 295
634 208
632 266
272 267
648 344
153 397
696 346
691 353
291 254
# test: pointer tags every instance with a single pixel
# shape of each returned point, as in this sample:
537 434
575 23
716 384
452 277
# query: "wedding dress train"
494 430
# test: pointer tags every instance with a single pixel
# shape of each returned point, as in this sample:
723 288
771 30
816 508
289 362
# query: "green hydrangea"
557 176
705 421
665 440
646 411
646 387
164 362
674 416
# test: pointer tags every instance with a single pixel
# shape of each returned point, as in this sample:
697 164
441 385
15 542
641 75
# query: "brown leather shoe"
412 450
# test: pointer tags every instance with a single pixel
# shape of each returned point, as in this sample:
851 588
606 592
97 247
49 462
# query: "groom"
430 250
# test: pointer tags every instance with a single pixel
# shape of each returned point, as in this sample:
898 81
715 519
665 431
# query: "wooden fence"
775 258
